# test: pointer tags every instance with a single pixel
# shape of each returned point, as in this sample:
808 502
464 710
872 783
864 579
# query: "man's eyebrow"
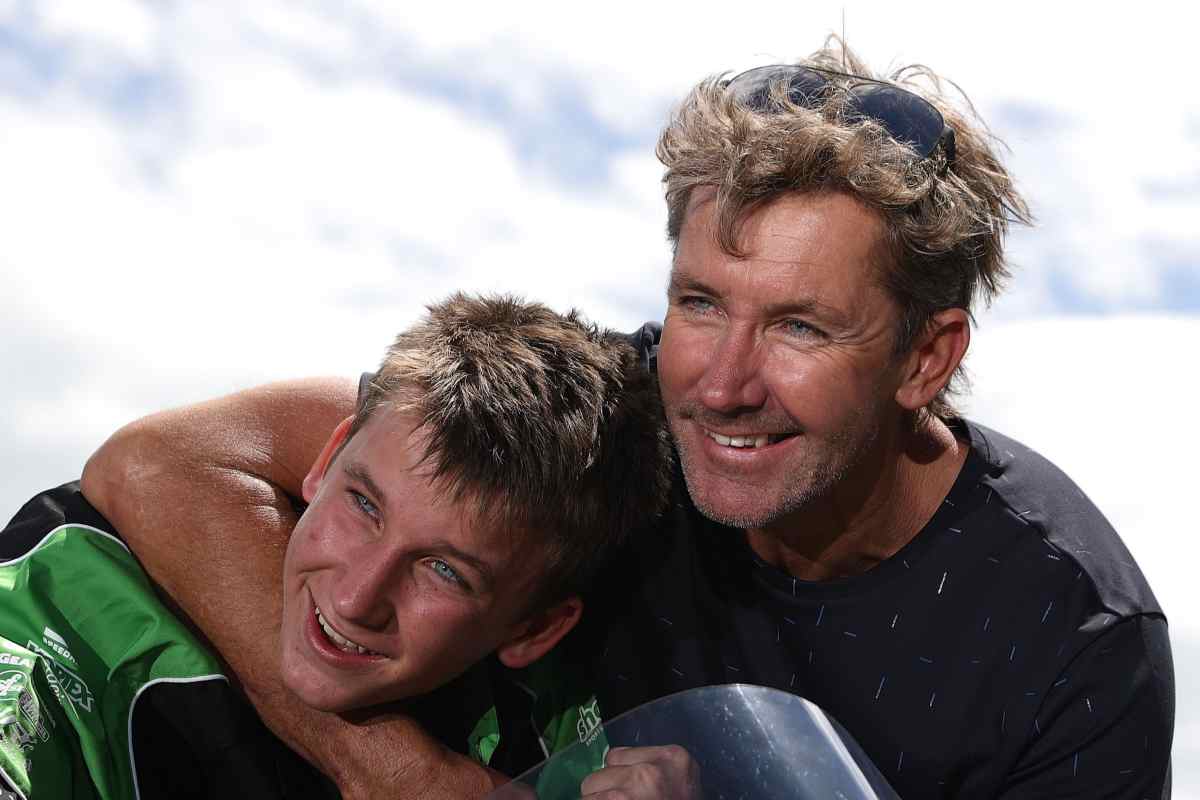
805 306
359 473
682 283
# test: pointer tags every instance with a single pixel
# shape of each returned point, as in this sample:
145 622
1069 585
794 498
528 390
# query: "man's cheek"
673 377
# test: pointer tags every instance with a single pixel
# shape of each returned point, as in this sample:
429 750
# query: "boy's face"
390 590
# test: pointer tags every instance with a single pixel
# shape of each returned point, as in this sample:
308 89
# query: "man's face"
390 589
777 370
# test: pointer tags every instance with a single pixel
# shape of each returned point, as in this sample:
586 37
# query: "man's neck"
872 514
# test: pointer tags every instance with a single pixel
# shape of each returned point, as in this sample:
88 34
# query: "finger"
609 794
644 780
605 779
624 756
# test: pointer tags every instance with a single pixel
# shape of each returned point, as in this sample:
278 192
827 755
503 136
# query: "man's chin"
734 506
737 517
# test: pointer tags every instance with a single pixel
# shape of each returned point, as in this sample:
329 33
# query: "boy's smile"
390 589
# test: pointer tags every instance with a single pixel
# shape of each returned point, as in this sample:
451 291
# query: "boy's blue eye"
364 505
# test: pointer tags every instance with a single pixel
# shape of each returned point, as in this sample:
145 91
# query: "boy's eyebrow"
359 473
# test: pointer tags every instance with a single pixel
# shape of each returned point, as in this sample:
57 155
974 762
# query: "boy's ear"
312 481
536 635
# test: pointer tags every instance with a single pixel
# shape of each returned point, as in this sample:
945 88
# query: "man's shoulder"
1027 491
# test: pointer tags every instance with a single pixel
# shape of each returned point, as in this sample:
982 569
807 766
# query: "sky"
200 197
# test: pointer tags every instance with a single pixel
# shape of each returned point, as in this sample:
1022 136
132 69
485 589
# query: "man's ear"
933 359
316 473
540 632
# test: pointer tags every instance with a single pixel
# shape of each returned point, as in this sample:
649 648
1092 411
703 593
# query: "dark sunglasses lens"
906 117
807 88
753 88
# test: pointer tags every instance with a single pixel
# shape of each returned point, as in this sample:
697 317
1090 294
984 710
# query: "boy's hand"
645 773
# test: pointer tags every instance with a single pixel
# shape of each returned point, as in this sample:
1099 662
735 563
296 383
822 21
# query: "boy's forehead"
393 450
398 450
392 433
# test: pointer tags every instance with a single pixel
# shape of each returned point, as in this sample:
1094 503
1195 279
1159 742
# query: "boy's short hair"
549 425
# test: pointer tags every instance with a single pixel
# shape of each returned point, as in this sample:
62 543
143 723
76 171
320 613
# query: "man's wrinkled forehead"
805 243
701 197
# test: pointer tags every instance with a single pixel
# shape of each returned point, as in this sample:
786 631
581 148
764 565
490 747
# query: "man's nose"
362 592
732 380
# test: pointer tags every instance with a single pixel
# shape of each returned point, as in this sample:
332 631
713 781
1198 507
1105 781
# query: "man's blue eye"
698 304
445 570
797 327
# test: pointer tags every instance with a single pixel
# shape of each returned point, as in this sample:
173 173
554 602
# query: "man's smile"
741 440
743 450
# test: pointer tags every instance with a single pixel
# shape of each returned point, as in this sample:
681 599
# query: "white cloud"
127 26
277 202
265 192
290 188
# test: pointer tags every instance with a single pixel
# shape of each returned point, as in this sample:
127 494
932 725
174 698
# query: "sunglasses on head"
908 118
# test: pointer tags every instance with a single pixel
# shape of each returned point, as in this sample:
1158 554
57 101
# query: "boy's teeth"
342 642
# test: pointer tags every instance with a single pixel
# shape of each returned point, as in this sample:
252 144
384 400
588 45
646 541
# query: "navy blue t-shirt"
1011 649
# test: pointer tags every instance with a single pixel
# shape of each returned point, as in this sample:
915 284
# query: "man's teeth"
757 440
342 642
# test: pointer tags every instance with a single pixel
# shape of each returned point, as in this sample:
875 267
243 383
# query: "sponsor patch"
58 644
66 684
588 726
11 683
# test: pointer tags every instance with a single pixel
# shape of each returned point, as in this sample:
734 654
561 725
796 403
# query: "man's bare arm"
204 497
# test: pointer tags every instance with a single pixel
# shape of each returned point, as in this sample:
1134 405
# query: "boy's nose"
361 593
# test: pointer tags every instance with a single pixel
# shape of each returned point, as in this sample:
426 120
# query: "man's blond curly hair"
945 223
